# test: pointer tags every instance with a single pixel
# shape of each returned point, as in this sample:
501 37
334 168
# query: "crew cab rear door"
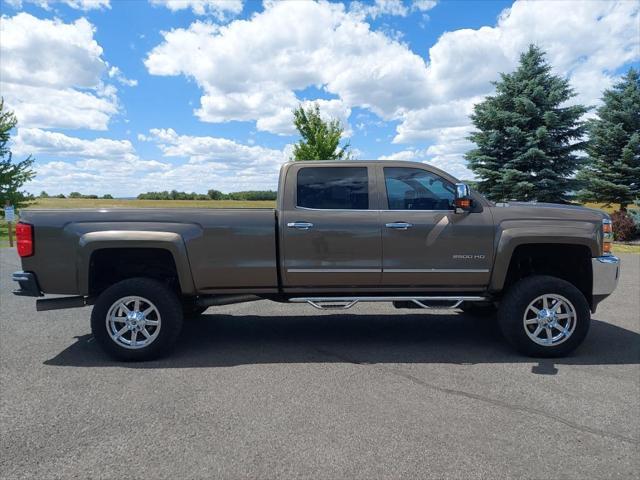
424 242
330 233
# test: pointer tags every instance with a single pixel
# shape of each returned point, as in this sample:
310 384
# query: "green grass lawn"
4 234
626 248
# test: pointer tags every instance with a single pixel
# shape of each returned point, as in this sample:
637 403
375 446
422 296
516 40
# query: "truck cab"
390 225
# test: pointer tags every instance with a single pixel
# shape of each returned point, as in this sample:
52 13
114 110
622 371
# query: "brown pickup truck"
342 233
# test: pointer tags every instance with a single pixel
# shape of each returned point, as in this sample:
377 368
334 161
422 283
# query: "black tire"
167 305
515 302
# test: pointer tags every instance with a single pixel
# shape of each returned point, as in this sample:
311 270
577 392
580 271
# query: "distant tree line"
44 194
248 195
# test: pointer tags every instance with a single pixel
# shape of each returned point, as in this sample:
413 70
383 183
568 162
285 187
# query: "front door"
424 242
330 235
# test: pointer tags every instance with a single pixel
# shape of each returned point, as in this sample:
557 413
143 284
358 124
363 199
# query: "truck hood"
548 210
552 205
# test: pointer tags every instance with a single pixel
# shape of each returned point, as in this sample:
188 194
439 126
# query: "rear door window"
333 188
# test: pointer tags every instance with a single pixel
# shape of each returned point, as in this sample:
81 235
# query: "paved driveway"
262 390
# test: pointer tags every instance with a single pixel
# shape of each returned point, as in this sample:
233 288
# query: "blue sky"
128 96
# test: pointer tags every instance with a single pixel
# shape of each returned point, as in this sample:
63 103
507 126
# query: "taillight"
607 235
24 239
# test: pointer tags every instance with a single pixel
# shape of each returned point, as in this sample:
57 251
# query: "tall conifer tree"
613 172
527 136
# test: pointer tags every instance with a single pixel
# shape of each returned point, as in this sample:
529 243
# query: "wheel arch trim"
172 242
511 238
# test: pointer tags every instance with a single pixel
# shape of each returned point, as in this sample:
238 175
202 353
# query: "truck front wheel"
137 319
544 316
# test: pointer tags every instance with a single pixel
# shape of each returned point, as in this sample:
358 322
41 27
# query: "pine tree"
320 139
612 174
527 137
12 175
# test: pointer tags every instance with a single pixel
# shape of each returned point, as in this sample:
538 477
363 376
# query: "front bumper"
28 284
606 271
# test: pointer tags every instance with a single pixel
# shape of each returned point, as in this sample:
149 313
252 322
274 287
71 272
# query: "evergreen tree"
12 175
612 174
526 139
320 139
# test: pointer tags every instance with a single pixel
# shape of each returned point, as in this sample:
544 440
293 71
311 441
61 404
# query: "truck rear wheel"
137 319
544 316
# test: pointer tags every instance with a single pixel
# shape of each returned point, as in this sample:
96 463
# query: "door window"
344 188
416 189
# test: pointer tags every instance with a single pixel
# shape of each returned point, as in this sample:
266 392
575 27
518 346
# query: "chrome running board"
344 303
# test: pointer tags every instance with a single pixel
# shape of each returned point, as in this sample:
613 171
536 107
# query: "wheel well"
569 262
111 265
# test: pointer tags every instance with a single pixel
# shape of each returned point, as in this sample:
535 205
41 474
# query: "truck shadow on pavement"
231 340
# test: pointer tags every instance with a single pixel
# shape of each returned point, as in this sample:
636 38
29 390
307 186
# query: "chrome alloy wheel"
550 320
133 322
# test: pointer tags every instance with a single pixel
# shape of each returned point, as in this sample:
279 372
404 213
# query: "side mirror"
463 198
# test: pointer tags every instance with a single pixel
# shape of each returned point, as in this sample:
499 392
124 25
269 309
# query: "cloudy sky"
127 96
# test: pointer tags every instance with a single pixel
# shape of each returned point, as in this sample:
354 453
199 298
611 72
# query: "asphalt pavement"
262 390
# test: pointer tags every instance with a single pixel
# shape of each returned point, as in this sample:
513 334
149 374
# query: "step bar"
344 303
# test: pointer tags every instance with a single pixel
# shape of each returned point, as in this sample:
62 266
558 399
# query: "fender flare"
114 239
511 238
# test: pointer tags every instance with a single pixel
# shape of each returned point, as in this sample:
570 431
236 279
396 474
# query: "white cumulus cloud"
220 9
379 8
37 141
77 4
91 166
214 162
51 73
116 74
104 165
423 5
252 69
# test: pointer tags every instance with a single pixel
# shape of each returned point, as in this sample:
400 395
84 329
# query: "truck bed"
218 249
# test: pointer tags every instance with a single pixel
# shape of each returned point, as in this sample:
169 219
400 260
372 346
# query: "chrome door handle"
300 225
399 225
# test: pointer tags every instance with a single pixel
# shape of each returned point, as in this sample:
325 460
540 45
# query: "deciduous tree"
320 139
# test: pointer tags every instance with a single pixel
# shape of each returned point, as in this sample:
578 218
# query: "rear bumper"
27 284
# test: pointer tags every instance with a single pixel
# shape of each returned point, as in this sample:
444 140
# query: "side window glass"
345 188
416 189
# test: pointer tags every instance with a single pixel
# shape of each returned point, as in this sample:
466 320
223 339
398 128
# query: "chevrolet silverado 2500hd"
342 233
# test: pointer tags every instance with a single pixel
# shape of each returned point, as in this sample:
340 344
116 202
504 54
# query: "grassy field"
626 248
116 203
599 206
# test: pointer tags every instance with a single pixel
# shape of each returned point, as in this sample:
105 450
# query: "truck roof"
360 163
